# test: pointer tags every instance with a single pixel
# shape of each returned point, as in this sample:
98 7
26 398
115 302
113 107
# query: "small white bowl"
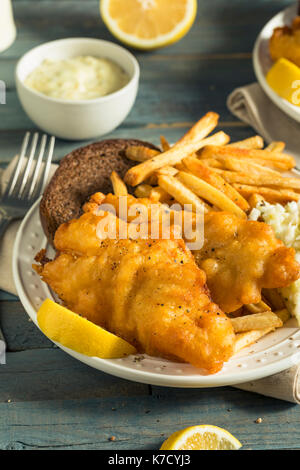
84 119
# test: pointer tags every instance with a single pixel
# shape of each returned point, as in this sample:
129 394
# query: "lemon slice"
79 334
148 24
284 79
204 437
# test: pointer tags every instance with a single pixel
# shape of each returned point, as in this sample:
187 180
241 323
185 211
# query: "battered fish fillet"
149 292
239 257
285 42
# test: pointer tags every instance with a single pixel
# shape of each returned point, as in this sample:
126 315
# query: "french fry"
261 180
164 143
270 194
188 144
255 200
143 190
273 165
210 193
283 314
242 340
274 298
275 147
257 308
212 177
200 129
159 194
256 321
181 193
138 153
180 166
151 180
118 184
246 166
213 151
167 170
212 163
255 142
139 173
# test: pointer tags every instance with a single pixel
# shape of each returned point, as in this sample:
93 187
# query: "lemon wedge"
79 334
148 24
284 79
204 437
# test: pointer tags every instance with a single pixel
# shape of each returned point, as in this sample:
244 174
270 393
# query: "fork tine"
29 163
37 166
15 174
45 173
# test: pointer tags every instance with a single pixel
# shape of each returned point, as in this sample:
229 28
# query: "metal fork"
28 179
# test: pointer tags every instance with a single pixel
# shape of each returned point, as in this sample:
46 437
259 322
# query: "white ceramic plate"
272 354
262 60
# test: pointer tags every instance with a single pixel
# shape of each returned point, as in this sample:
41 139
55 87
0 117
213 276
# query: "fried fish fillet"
285 42
149 292
239 257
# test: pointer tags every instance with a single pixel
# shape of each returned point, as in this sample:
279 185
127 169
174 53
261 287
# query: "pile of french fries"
210 173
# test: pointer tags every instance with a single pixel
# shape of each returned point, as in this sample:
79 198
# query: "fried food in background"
285 42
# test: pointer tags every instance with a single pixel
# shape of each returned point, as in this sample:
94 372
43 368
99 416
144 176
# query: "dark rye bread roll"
80 174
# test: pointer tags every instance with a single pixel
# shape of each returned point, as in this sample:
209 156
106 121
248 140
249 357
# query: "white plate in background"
262 61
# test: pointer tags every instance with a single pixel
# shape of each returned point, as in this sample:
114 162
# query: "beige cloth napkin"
284 386
250 104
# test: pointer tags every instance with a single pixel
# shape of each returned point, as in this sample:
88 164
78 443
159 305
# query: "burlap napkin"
285 386
250 104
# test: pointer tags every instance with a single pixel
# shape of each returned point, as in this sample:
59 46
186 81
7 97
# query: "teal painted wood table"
49 400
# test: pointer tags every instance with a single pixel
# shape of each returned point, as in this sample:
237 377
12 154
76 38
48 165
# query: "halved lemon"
77 333
204 437
284 79
148 24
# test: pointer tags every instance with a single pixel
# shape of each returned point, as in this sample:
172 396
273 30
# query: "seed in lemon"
284 79
148 24
77 333
204 437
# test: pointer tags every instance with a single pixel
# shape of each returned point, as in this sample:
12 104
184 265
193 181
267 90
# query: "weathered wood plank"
145 422
6 296
51 374
19 331
220 26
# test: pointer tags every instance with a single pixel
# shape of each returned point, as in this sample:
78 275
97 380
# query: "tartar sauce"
78 78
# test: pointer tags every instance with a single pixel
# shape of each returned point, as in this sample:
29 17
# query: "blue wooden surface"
47 399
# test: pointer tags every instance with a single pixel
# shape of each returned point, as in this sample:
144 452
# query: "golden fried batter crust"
149 292
240 257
